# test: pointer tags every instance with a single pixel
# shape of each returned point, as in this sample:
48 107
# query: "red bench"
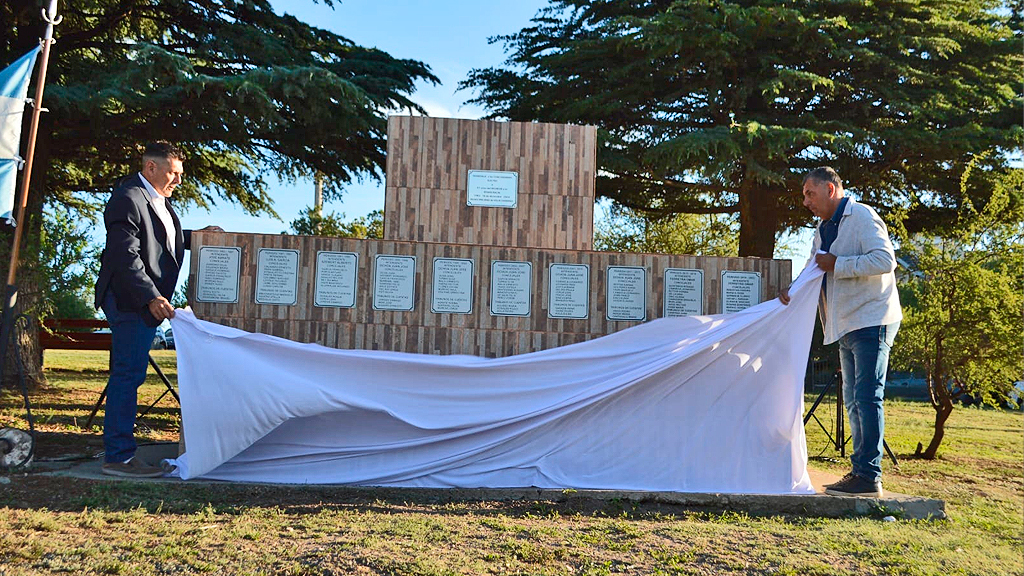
74 334
90 334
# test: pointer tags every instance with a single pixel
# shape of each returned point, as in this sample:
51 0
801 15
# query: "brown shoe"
133 468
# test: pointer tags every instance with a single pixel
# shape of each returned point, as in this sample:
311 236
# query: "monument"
487 250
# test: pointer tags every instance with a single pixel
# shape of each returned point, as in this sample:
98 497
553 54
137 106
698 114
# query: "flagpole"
50 16
11 289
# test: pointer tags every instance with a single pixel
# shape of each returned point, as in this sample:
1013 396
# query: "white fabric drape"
695 404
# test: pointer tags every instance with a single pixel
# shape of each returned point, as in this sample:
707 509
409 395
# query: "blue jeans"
864 355
131 340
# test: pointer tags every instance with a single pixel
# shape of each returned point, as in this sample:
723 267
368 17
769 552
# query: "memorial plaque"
277 276
394 282
217 277
684 292
740 290
569 291
452 288
511 288
492 188
626 293
335 279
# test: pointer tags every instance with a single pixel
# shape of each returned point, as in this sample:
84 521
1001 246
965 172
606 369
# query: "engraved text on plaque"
217 278
394 282
569 291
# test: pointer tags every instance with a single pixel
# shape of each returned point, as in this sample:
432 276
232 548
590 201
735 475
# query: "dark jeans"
864 355
131 340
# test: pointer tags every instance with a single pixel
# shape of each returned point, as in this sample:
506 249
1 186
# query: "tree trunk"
942 401
25 341
941 415
758 220
28 277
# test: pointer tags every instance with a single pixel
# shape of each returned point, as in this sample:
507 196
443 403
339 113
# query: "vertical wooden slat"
431 157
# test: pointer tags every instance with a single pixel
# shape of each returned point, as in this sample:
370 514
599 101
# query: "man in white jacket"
859 308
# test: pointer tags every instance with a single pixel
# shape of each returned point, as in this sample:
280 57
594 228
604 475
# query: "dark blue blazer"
136 262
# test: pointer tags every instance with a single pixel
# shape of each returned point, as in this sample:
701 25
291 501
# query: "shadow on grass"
75 495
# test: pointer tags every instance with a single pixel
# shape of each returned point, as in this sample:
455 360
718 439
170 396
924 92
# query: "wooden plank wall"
428 162
423 331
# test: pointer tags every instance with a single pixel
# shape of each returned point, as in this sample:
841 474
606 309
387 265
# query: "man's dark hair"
825 174
162 150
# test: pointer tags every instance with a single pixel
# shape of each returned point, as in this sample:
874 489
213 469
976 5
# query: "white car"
159 341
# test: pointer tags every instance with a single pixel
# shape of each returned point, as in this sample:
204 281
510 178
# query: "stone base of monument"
900 506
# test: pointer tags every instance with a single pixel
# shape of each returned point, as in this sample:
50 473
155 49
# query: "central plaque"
492 188
569 291
452 289
394 282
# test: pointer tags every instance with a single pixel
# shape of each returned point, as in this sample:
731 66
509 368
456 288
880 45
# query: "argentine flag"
13 91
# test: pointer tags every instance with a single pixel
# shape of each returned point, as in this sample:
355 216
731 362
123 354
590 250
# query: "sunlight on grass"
79 527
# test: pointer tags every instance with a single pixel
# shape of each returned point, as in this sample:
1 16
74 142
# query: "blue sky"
450 36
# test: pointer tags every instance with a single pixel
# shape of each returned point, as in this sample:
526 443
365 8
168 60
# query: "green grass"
53 525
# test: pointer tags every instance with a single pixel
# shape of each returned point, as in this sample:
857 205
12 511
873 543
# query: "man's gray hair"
825 174
162 150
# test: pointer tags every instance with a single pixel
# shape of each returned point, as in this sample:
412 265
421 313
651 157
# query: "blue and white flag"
13 91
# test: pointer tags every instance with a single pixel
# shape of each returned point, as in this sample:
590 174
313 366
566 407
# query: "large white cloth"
694 404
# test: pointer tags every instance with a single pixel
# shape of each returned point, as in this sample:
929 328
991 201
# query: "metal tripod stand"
840 438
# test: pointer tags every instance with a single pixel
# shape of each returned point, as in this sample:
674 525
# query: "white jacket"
862 290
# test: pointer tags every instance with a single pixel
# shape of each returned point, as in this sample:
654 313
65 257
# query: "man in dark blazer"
139 270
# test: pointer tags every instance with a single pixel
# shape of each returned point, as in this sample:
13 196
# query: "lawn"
57 525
